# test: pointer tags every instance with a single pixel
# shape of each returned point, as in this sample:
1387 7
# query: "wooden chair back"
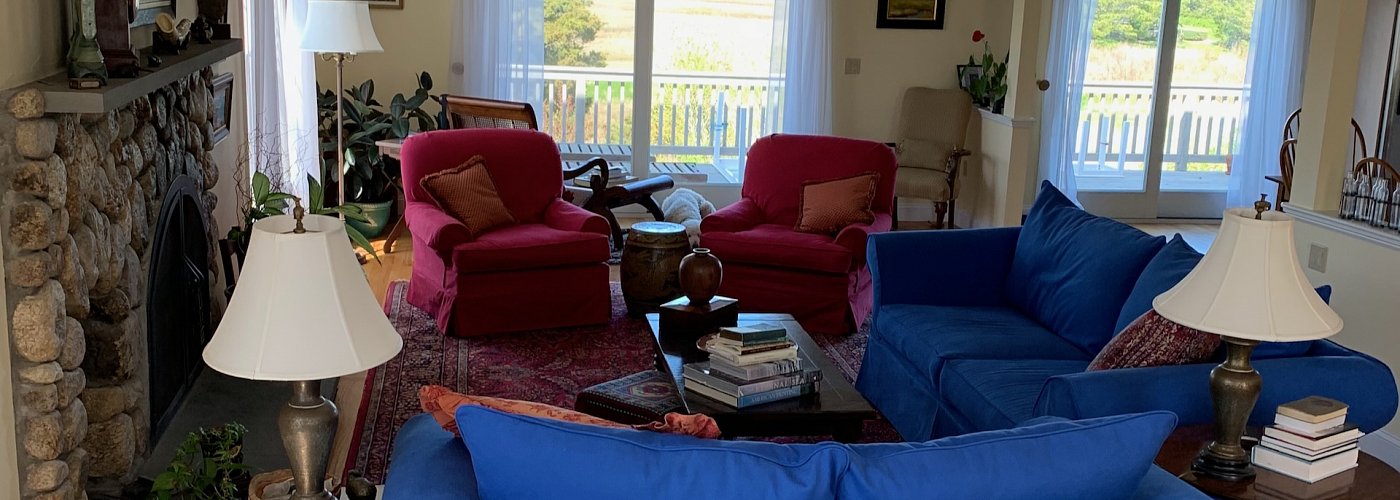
1375 168
477 112
1288 152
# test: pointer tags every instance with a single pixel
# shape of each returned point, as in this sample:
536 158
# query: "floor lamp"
339 29
302 313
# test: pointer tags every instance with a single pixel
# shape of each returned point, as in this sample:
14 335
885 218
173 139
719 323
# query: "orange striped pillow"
829 206
467 193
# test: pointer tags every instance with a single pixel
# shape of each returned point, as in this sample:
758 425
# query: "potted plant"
266 202
369 176
207 465
989 89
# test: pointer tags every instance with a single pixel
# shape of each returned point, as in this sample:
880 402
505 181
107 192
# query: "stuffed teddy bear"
686 207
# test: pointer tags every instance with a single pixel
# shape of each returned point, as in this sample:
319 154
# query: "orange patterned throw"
829 206
442 403
467 193
1152 340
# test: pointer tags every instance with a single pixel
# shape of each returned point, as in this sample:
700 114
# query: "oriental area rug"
546 366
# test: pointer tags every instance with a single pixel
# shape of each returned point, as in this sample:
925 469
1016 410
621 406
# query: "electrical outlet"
853 65
1317 258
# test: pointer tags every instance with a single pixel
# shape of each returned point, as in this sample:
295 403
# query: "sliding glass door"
695 72
1162 108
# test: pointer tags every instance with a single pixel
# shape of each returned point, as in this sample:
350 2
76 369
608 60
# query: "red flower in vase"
977 36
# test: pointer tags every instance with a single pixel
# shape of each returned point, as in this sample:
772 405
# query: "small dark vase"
701 274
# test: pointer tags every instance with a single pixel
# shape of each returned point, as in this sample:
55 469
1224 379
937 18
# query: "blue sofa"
539 459
982 329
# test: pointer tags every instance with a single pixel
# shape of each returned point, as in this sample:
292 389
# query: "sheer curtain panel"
799 90
1273 89
281 83
1071 25
498 50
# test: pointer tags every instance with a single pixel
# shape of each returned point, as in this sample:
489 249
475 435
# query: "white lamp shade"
340 26
302 309
1250 286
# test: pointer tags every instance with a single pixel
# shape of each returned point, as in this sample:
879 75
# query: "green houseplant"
369 176
207 465
266 203
989 90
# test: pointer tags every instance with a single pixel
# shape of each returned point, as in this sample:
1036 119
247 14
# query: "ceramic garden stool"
650 265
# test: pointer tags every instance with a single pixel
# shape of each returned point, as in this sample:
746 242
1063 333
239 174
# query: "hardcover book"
1313 409
701 372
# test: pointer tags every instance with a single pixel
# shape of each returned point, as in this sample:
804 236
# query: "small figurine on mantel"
86 67
215 13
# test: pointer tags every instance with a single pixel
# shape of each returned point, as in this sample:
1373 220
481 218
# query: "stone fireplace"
110 271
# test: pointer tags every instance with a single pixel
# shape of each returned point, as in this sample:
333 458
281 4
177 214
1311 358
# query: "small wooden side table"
1371 479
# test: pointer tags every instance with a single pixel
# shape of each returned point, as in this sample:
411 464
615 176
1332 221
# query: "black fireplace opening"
177 300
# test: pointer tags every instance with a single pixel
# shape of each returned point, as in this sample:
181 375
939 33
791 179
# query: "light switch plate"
853 65
1317 258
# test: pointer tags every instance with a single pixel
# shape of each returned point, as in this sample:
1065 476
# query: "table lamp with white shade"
302 312
338 30
1248 289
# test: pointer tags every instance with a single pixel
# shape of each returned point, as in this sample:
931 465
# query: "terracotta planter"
701 274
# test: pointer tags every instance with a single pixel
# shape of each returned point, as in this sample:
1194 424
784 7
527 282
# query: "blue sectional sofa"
982 329
504 456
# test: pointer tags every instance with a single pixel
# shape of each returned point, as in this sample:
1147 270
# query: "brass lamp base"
308 425
1234 388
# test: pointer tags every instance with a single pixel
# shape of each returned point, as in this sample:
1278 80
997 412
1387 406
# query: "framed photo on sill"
222 112
910 14
385 4
968 73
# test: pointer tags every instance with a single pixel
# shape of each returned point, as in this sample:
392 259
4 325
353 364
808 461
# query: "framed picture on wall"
968 73
223 107
385 4
910 14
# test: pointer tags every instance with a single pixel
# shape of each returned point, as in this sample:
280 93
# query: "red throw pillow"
1152 340
827 207
467 193
442 403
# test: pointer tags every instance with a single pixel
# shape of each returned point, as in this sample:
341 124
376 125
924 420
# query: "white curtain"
281 82
1071 24
498 50
1273 89
799 89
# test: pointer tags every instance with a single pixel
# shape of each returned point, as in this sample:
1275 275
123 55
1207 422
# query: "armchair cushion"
826 207
1073 271
467 193
998 394
776 245
529 246
921 153
926 184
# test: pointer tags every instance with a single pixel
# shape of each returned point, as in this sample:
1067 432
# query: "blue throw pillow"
1095 458
516 456
1172 263
1073 271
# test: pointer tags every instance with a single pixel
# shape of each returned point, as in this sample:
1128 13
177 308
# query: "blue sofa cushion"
1073 271
928 335
429 463
1051 461
997 394
517 456
1172 263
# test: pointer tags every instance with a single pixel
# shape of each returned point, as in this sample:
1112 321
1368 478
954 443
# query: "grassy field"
737 32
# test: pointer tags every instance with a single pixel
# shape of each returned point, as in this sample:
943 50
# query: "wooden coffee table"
1371 479
837 409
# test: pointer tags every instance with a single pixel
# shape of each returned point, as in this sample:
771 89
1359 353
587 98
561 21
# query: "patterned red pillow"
442 403
1152 340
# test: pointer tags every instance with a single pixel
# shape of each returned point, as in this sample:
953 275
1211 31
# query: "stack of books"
751 366
1310 440
616 175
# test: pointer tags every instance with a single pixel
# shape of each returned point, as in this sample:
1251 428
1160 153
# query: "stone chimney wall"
81 198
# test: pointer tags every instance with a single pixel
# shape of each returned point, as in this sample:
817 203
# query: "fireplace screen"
177 310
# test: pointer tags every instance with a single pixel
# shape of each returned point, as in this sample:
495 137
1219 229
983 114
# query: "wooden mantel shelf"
120 91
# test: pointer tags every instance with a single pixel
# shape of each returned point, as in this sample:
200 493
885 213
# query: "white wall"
1370 81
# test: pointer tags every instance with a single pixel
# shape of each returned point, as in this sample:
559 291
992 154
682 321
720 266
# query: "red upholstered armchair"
548 270
821 280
